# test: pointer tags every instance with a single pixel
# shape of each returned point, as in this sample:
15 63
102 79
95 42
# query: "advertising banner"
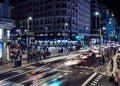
1 50
8 34
1 33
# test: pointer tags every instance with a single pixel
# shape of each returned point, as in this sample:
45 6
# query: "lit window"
51 34
41 34
58 34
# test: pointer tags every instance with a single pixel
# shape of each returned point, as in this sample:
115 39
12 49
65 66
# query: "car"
84 49
95 50
74 61
84 55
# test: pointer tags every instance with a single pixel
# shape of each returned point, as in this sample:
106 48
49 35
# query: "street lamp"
104 28
100 33
66 24
97 13
96 22
46 33
104 34
28 19
100 30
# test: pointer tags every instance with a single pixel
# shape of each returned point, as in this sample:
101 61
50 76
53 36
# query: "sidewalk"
9 66
106 68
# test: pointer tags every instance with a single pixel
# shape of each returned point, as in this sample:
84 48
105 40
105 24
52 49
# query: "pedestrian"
12 57
111 64
44 54
29 57
118 61
99 56
114 51
116 79
35 56
111 78
39 55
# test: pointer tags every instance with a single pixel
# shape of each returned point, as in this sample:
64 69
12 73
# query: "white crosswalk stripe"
93 84
31 67
96 80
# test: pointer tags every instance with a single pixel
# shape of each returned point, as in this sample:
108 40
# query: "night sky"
113 5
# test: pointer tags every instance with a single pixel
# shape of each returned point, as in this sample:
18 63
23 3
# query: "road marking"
91 67
84 73
85 67
60 58
81 72
93 84
31 67
60 76
87 73
96 80
65 71
19 71
86 82
100 75
38 69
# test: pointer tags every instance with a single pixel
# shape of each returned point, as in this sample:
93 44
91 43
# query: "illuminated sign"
1 33
1 49
8 34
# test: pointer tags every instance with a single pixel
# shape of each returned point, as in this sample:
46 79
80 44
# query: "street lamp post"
66 24
100 34
96 22
28 19
46 29
104 39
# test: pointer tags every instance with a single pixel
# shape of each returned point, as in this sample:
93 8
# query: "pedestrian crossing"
86 67
70 71
86 73
95 81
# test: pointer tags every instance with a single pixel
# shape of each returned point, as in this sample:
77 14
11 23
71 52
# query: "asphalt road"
55 74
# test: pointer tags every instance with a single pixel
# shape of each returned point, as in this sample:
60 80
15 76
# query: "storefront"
5 27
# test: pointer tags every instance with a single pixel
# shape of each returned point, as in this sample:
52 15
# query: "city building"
54 19
103 22
97 19
6 24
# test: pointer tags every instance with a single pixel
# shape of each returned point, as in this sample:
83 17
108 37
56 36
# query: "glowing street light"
28 19
66 24
97 13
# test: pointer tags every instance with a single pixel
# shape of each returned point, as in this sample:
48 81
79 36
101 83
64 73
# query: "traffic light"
77 37
116 37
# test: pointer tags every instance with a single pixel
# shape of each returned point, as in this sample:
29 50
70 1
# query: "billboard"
8 34
1 33
1 49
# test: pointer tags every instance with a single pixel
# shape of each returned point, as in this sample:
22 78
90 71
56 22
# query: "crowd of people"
38 55
115 79
36 52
